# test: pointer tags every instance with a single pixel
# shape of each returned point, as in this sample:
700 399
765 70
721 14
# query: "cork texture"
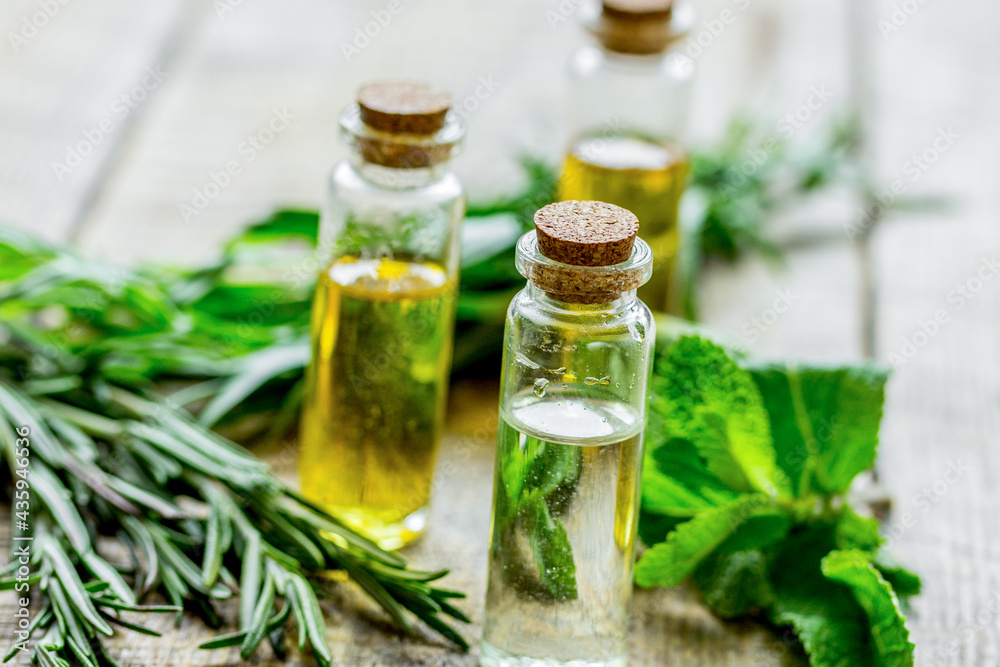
635 26
586 233
587 239
399 155
403 107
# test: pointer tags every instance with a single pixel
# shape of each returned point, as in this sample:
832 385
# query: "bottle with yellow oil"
630 99
384 312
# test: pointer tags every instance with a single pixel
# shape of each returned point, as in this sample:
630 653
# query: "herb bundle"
744 488
96 451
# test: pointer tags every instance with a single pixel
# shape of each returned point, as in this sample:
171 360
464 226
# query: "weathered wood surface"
227 71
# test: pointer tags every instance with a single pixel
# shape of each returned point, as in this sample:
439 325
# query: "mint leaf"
654 528
670 562
553 554
791 451
825 422
735 584
903 582
888 627
702 396
767 527
857 532
676 481
832 627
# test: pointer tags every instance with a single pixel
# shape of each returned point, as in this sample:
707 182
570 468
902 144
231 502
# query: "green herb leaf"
676 481
702 396
825 421
888 626
553 554
669 563
735 584
829 623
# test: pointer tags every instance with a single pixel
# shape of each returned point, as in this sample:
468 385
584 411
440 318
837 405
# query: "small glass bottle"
577 361
630 99
384 312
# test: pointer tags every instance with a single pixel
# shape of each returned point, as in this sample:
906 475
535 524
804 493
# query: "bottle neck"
395 178
554 304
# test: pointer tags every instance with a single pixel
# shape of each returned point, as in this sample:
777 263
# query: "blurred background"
116 114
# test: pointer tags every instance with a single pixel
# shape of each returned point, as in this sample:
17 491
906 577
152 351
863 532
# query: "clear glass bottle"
577 361
630 100
384 312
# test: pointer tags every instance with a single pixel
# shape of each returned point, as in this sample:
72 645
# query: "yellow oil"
647 178
376 390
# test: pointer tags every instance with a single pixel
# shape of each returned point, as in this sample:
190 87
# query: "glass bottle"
630 98
384 312
577 361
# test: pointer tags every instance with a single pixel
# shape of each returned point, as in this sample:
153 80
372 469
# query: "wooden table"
153 98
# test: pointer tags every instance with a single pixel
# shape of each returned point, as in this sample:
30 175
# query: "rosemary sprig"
242 532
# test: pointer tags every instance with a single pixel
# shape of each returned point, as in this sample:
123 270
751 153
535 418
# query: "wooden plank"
237 68
62 115
939 453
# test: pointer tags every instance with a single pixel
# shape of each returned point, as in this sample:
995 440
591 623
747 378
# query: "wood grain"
228 74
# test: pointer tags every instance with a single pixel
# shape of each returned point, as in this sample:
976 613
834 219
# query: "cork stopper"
636 26
586 233
403 107
584 252
403 125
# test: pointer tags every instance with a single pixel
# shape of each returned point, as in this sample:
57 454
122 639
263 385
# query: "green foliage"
84 349
744 480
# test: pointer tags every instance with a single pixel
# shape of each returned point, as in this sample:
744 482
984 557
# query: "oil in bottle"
382 339
644 176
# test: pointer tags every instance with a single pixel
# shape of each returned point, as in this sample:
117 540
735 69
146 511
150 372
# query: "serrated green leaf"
832 627
676 481
702 396
891 637
767 527
903 582
825 421
735 584
670 562
857 532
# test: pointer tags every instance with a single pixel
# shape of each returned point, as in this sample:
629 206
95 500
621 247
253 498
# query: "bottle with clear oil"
384 311
577 361
631 95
